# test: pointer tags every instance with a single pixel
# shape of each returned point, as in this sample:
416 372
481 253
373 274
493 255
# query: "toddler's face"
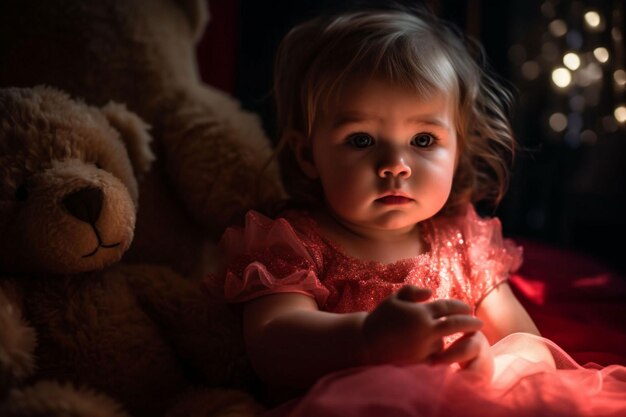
385 157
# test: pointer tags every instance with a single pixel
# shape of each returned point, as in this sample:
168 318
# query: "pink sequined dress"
466 258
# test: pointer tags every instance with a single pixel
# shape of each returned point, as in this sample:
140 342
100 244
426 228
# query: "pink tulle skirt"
519 387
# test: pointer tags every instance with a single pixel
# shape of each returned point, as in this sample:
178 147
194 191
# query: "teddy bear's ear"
134 133
197 12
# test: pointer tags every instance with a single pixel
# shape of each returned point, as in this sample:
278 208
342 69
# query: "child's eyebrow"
351 117
422 119
429 119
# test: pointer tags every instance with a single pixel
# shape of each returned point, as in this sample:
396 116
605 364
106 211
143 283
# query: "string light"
601 54
558 28
588 136
593 19
558 122
571 61
620 77
620 114
579 49
530 70
561 77
616 34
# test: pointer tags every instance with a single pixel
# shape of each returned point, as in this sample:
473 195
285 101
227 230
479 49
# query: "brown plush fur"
210 153
47 398
141 334
50 147
17 343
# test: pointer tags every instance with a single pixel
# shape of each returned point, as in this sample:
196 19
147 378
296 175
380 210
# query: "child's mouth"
394 200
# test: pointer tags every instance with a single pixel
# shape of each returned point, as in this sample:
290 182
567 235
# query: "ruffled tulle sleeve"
491 257
266 257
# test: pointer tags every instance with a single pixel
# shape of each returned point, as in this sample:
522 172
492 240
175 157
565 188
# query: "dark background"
567 189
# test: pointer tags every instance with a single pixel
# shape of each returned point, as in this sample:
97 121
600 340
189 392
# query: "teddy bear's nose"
85 204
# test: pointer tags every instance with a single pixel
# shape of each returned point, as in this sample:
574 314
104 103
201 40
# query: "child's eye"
423 140
360 140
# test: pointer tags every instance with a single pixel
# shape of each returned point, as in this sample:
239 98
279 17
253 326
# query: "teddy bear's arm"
55 399
17 340
217 158
203 331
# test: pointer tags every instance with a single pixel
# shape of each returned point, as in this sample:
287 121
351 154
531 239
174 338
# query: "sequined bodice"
467 257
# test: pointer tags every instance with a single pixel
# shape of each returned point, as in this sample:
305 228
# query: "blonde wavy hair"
415 51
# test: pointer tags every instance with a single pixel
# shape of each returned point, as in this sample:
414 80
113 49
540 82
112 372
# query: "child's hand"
471 352
406 329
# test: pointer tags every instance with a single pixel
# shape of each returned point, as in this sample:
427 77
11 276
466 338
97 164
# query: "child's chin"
396 221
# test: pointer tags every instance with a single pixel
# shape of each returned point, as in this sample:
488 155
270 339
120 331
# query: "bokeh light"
601 54
620 113
530 70
557 28
620 77
561 77
593 19
558 122
571 61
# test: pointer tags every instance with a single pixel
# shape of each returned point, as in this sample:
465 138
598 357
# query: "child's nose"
394 165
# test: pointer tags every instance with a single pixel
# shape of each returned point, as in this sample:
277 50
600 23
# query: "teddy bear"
140 335
17 345
213 159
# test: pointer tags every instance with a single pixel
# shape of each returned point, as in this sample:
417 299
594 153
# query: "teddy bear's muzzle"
85 204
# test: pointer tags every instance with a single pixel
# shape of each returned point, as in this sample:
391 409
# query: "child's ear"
301 147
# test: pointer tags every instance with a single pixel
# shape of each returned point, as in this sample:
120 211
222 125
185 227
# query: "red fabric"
522 389
467 259
576 301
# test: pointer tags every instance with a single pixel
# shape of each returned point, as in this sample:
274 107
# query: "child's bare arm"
291 343
503 314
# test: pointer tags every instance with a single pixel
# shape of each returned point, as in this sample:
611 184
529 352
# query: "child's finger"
441 308
462 350
436 347
456 323
413 293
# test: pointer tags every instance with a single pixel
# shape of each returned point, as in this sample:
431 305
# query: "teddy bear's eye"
21 194
98 166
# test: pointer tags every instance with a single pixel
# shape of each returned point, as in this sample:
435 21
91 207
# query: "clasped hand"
405 328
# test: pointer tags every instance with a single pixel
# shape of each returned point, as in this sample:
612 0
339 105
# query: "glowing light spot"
594 72
620 77
571 61
558 122
561 77
620 113
593 19
577 103
601 54
547 9
557 28
588 136
530 70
